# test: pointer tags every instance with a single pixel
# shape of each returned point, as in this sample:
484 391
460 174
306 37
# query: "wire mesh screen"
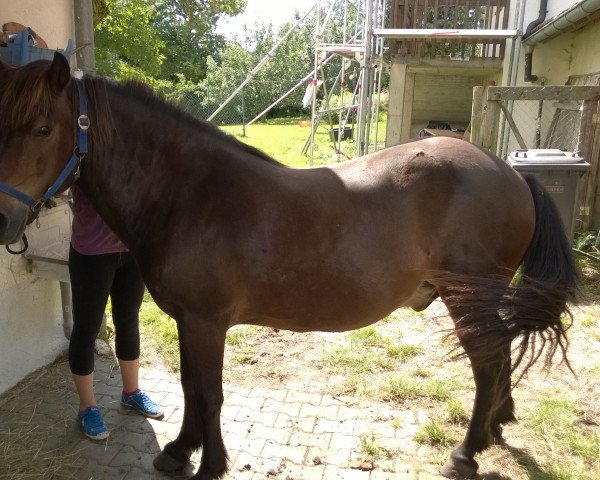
247 104
234 113
544 124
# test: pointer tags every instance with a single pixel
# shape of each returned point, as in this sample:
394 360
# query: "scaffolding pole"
290 91
359 47
260 64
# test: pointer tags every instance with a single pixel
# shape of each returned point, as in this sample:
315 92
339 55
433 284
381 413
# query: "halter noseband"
81 149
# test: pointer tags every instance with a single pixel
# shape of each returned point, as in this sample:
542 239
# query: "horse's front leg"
201 352
490 406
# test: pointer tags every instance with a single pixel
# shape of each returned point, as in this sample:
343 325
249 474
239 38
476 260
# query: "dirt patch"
403 366
272 358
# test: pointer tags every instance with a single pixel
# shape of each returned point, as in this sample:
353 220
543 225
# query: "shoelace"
93 419
146 402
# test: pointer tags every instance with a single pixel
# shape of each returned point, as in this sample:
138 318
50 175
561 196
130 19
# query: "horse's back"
466 209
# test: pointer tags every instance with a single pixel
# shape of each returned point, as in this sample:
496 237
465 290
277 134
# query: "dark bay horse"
226 235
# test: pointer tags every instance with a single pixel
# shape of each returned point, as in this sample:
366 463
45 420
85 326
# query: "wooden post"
396 103
409 94
591 152
512 124
490 122
477 115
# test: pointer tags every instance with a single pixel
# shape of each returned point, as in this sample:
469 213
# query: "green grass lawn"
284 139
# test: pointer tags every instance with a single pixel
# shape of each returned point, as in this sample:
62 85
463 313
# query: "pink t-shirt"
90 235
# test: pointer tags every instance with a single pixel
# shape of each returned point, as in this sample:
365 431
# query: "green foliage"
403 352
278 75
127 41
456 411
368 336
557 421
349 359
173 46
153 40
401 387
398 423
588 321
187 28
162 331
432 433
234 337
585 241
221 80
370 447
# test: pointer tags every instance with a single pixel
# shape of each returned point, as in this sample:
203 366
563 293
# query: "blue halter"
81 149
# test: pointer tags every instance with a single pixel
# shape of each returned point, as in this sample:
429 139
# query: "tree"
126 39
292 61
168 40
187 28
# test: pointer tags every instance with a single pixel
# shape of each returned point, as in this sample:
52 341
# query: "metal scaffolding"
356 45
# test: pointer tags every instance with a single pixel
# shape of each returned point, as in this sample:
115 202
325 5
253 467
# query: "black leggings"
93 279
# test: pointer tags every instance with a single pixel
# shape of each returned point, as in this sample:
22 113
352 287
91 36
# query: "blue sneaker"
140 402
92 424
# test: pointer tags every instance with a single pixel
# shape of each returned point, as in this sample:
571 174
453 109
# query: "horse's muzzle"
13 219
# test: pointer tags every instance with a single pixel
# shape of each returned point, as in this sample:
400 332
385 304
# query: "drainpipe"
564 21
528 64
83 11
539 20
529 49
83 16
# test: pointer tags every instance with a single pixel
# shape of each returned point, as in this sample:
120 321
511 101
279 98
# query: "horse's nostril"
5 234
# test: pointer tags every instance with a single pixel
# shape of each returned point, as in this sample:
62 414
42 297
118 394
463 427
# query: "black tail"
549 280
528 313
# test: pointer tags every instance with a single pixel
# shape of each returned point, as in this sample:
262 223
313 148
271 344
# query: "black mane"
143 93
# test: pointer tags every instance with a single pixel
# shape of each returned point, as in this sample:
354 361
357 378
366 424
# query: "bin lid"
544 156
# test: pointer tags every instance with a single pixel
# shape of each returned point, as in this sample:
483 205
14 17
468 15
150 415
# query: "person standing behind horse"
100 266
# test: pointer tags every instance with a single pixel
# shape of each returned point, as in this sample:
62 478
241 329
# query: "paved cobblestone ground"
290 433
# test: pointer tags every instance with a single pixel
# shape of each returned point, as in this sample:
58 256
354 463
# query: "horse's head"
37 125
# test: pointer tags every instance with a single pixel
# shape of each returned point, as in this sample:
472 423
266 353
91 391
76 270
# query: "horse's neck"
128 178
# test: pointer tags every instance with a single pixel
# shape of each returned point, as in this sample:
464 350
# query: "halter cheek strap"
81 149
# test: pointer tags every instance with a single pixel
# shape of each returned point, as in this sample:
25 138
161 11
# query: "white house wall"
555 7
53 20
573 53
30 307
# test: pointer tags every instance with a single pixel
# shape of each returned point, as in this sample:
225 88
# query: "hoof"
167 463
496 436
459 468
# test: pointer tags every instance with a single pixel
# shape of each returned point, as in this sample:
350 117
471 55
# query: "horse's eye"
43 131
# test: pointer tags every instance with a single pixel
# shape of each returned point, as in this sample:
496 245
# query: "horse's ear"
59 73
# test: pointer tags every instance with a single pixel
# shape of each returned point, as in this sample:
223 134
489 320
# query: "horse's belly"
334 310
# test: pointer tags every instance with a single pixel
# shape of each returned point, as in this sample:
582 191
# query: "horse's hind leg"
488 370
504 413
201 351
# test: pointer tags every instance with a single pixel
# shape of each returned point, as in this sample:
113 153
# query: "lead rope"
23 250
